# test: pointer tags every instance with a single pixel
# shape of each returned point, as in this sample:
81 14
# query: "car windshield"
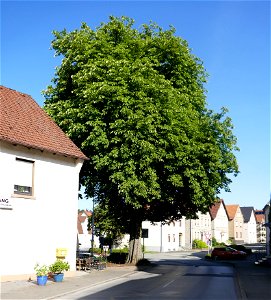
230 249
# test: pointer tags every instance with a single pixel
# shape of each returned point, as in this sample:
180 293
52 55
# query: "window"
173 237
180 239
168 238
23 177
180 223
236 234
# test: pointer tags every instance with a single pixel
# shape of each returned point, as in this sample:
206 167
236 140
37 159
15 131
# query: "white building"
164 237
261 229
39 180
198 229
220 221
250 225
84 231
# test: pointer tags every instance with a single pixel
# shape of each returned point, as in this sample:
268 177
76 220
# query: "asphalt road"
175 276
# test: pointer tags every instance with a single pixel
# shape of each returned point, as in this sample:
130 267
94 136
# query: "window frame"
25 193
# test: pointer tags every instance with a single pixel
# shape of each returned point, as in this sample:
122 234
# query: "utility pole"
92 229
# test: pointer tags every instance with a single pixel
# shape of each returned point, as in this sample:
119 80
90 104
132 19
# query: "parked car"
241 248
227 253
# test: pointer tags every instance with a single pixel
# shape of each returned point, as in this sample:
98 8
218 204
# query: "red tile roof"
260 218
79 226
82 219
215 207
231 209
24 122
88 213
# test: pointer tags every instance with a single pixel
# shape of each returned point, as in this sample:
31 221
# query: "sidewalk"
30 290
254 280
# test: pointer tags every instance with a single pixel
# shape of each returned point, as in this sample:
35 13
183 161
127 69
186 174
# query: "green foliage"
59 266
89 225
230 240
41 270
107 224
122 250
95 250
216 243
199 244
134 101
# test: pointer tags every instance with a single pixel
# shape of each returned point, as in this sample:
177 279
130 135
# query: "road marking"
168 283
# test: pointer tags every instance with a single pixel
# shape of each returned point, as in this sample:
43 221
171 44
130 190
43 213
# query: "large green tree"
134 101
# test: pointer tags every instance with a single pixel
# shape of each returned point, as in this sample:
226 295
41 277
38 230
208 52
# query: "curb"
243 293
240 287
86 288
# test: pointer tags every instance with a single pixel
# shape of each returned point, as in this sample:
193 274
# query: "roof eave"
16 142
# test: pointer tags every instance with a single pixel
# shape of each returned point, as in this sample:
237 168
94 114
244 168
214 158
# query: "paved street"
169 282
177 275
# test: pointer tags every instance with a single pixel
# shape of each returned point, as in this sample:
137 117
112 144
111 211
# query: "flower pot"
41 280
58 277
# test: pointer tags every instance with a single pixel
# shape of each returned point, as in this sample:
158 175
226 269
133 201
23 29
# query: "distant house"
39 174
164 237
261 229
84 231
219 221
198 229
249 227
84 235
236 223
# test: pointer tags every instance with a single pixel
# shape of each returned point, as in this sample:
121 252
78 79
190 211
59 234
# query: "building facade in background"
220 222
236 223
260 228
250 225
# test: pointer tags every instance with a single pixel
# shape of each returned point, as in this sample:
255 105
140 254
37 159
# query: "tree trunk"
135 249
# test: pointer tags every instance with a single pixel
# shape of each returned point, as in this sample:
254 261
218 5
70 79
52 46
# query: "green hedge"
199 244
118 257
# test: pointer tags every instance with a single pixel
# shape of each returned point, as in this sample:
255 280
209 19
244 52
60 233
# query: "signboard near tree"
145 233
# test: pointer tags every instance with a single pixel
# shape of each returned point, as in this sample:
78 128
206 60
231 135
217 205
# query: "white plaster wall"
33 229
201 227
85 238
85 241
220 226
161 237
250 231
238 226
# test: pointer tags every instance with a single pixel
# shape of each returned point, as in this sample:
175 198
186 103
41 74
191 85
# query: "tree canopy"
134 101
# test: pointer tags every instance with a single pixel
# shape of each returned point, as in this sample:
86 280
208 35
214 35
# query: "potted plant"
42 274
57 269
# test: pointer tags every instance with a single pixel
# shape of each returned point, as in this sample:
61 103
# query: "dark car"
227 253
241 248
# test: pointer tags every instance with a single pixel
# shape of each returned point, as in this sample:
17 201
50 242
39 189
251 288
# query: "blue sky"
232 38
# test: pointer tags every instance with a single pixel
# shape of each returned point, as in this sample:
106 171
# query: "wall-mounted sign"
61 252
145 233
5 202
